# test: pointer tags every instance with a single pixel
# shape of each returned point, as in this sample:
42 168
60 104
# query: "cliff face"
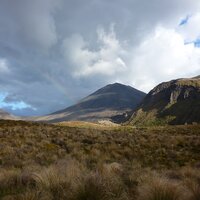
173 102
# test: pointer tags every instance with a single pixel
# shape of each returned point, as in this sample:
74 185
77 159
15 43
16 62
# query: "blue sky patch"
196 43
184 21
12 105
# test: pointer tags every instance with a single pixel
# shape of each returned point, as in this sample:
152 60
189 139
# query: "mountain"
173 102
6 115
111 100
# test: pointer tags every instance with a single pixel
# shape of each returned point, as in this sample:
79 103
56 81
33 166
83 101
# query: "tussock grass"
159 188
192 182
50 162
69 179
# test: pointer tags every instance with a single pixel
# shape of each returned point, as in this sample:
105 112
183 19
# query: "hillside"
6 115
111 100
173 102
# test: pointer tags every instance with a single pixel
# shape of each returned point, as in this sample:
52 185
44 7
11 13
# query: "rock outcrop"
173 102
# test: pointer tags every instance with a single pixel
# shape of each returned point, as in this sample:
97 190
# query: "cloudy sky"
54 52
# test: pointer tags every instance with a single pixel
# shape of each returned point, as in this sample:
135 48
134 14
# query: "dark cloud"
53 53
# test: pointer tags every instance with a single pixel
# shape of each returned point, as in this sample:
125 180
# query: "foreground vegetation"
40 161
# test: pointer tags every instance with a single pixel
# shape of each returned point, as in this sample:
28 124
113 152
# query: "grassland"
41 161
102 125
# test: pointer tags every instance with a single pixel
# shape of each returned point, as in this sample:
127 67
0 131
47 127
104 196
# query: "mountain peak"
111 100
114 85
118 88
117 84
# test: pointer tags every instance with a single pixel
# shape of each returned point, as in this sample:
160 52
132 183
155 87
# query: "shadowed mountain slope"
111 100
173 102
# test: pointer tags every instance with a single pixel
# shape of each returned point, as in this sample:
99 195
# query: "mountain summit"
173 102
111 100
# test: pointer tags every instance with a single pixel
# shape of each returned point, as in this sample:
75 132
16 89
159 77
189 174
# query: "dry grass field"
41 161
102 125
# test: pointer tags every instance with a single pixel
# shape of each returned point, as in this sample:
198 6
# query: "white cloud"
161 56
191 29
106 60
164 56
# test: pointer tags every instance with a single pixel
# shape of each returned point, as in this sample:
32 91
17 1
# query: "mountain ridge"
172 102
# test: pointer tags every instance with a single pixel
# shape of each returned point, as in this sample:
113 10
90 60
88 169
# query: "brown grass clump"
59 180
98 186
70 180
33 195
159 189
192 183
51 182
14 181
